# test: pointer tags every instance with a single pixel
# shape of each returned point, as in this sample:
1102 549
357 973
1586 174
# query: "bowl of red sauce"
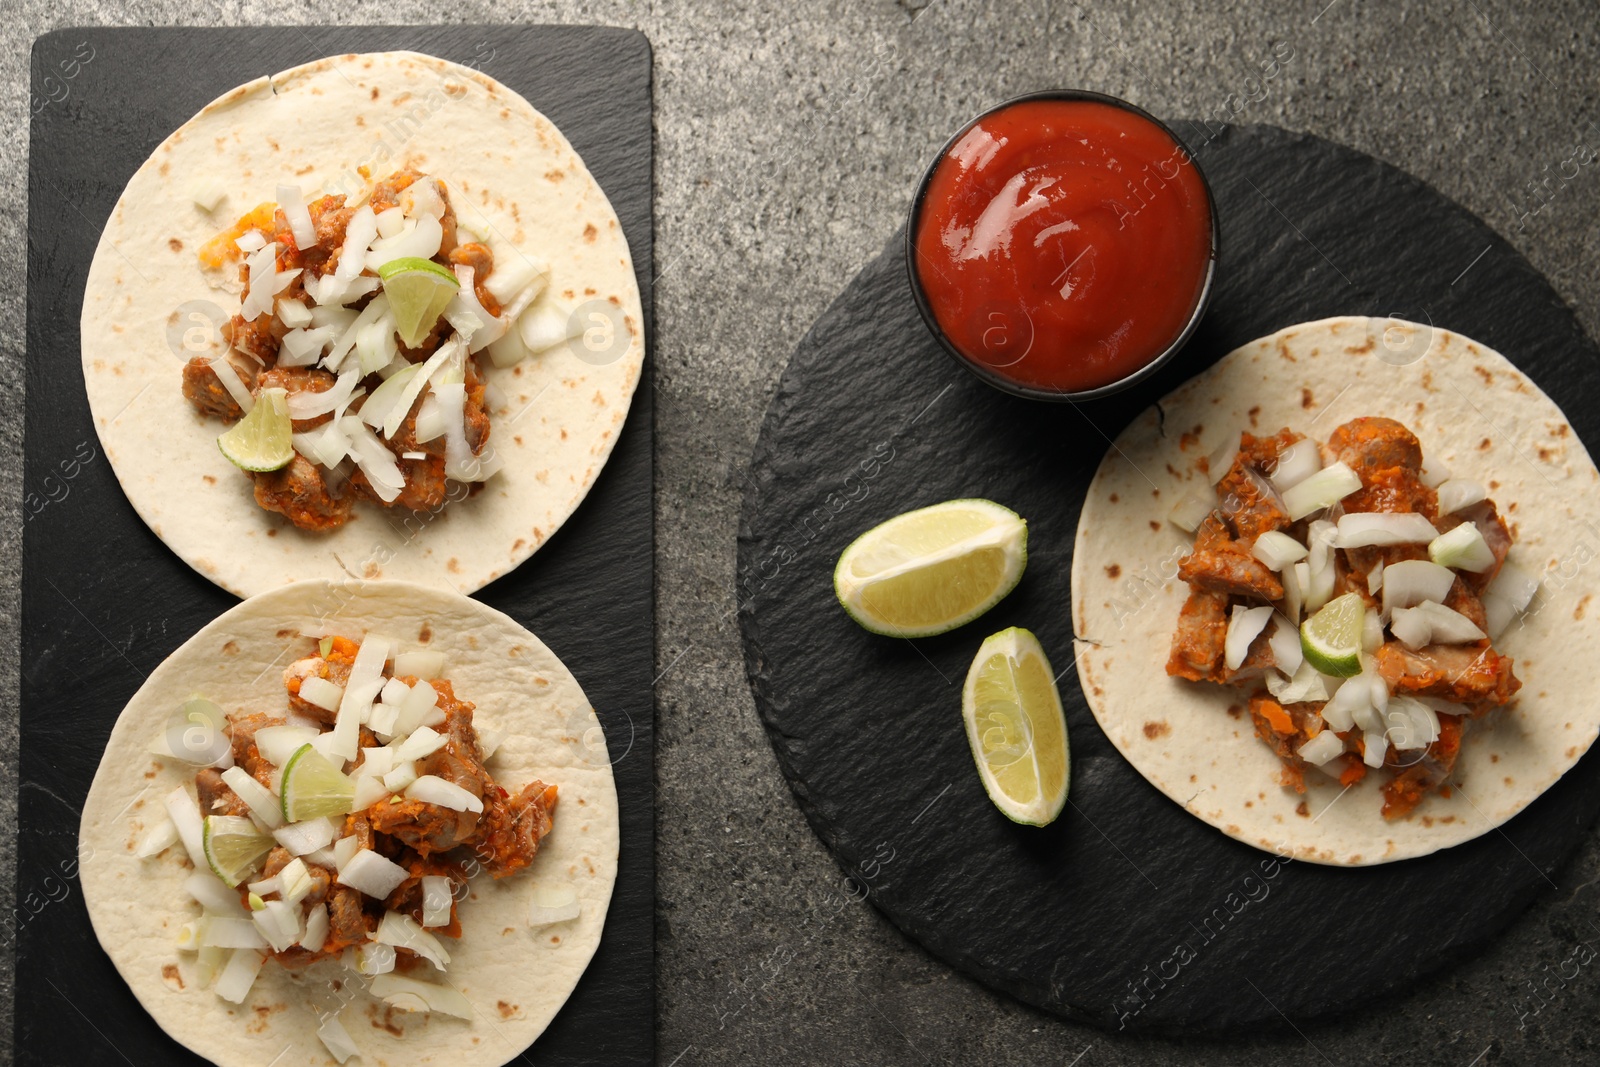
1062 246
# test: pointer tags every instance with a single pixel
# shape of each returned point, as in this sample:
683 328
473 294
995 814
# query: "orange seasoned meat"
1393 489
1462 673
1221 565
215 796
1371 444
203 389
298 380
1197 646
300 493
513 828
1419 773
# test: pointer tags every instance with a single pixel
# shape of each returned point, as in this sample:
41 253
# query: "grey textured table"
788 141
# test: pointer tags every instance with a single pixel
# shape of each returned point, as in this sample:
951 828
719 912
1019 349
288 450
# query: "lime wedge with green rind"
1331 639
418 290
264 439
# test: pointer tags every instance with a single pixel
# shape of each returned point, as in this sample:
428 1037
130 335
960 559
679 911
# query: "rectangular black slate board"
104 601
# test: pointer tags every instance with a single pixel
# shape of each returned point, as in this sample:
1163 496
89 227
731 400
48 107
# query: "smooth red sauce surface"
1064 243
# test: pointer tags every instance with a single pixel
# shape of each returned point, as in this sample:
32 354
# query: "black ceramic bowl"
987 372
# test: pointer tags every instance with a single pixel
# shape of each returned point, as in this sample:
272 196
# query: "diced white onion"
1322 748
396 415
408 994
489 740
263 805
277 743
1322 571
377 345
391 221
208 891
334 1037
1376 746
395 692
1321 490
374 459
302 348
508 350
228 375
1244 625
358 236
295 881
375 311
423 742
422 699
1296 580
344 849
1220 461
316 934
304 837
1462 548
230 931
365 682
422 197
234 983
1411 581
419 237
372 874
402 931
1352 696
1430 623
1458 493
437 896
1361 529
553 904
1411 724
384 399
419 663
160 837
399 779
306 404
1287 654
207 193
1295 464
430 421
251 241
1515 585
1433 475
545 326
184 811
1375 579
515 273
1371 632
279 924
375 762
468 315
317 690
374 959
431 789
1192 508
1306 685
293 314
1277 550
382 720
293 205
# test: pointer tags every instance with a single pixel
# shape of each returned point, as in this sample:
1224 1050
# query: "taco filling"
1353 593
345 825
364 320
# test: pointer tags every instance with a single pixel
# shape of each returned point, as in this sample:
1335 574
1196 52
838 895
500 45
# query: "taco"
372 820
371 317
1322 592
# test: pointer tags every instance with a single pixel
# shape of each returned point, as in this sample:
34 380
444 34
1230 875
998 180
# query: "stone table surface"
789 137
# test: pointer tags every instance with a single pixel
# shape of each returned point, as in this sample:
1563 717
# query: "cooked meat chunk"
301 494
1285 728
215 796
513 828
1495 534
257 337
1419 776
481 260
1461 598
1463 673
1221 565
1251 504
203 389
426 487
1393 489
348 923
242 730
335 668
1368 445
298 380
1197 646
477 409
429 828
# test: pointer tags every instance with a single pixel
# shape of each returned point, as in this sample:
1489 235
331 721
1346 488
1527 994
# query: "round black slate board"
1127 912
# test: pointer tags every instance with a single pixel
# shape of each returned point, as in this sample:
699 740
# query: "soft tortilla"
147 298
516 977
1474 412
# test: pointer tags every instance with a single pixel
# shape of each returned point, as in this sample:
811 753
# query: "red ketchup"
1063 244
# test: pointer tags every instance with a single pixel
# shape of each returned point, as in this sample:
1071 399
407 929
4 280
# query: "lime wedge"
262 440
1016 728
313 787
418 290
1331 639
234 846
933 569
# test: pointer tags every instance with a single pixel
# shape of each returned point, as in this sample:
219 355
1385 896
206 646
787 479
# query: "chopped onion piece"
1375 579
369 790
1376 745
468 315
302 347
1411 581
321 692
515 273
262 804
553 904
294 881
1411 723
1515 585
308 405
358 236
211 894
1295 464
397 780
382 720
293 205
184 811
1458 493
207 193
422 197
375 762
430 421
391 221
508 350
1306 684
343 849
408 994
365 682
424 741
1322 572
384 399
1321 490
316 932
1462 548
431 789
395 416
395 692
1322 748
277 743
293 314
304 837
1190 511
374 459
375 311
437 895
374 959
1220 462
1244 625
419 237
422 699
419 663
402 931
1339 712
278 923
230 931
1287 654
1296 581
1433 475
234 983
1277 550
1430 623
251 241
546 326
1371 632
372 874
1360 529
160 837
228 375
334 1037
489 740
